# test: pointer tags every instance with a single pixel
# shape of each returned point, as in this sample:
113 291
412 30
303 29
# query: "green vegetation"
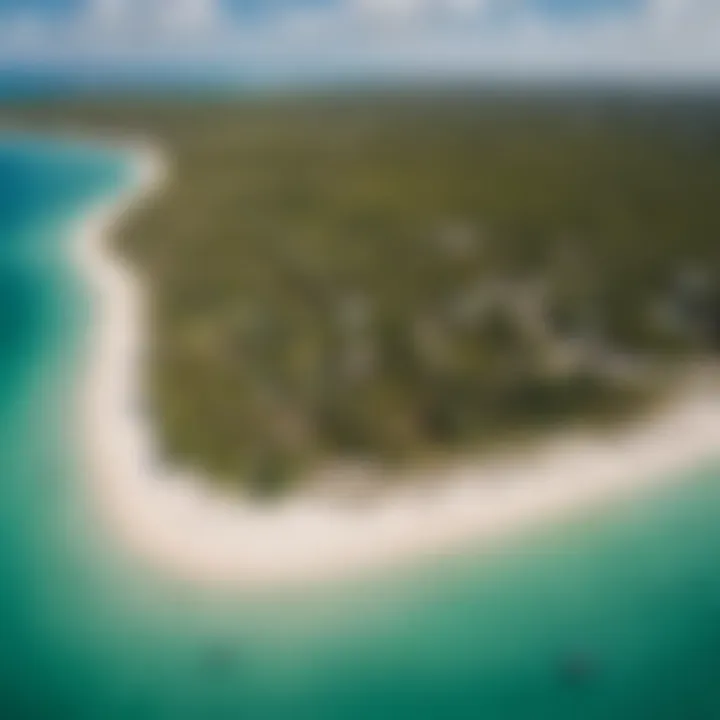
397 278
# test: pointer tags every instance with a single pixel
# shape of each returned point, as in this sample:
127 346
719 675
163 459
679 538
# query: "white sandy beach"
175 522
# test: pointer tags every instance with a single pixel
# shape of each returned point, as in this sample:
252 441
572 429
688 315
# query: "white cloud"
664 12
106 13
664 37
388 8
152 16
198 15
416 10
685 23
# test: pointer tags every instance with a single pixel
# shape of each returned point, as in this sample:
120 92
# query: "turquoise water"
611 617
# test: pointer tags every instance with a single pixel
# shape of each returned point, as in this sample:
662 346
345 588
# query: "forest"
396 278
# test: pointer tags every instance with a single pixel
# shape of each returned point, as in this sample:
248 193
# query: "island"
443 298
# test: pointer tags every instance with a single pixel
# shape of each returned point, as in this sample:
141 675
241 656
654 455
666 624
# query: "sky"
652 39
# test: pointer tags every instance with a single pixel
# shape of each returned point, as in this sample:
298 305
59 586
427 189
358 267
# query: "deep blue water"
615 616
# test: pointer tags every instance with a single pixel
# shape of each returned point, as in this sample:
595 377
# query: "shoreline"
177 523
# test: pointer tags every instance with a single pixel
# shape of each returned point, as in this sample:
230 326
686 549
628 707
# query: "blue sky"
527 38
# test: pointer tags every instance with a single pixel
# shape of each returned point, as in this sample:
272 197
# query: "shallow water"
615 616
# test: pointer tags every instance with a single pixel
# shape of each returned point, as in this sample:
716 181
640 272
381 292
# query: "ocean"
611 616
